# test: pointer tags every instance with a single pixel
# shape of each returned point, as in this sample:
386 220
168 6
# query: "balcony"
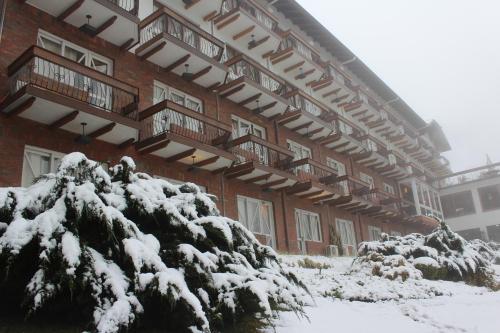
248 27
398 170
297 61
254 87
306 117
334 87
179 134
317 182
260 162
115 21
346 139
363 199
200 11
60 93
177 45
376 156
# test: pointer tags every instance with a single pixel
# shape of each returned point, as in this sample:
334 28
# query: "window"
38 162
308 226
299 151
100 94
242 127
2 15
458 204
367 179
257 216
167 120
345 229
374 233
490 197
178 182
372 145
389 189
471 234
392 159
340 169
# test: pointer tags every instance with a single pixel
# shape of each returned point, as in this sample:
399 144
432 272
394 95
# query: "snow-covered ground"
412 306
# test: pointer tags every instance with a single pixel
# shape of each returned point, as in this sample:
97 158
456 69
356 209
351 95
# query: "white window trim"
41 151
64 43
308 213
303 149
371 230
351 223
259 203
168 89
250 124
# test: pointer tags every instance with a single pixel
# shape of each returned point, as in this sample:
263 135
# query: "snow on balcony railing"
259 14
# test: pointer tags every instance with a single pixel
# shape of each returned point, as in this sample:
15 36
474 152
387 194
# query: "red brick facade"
21 26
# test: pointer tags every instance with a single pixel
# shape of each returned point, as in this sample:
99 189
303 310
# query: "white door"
300 152
345 229
341 171
242 127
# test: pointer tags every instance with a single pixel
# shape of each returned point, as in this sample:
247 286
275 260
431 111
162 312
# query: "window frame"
42 152
350 223
3 6
260 203
252 126
371 230
481 194
304 213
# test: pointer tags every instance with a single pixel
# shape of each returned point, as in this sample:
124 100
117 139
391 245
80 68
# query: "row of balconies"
172 42
60 93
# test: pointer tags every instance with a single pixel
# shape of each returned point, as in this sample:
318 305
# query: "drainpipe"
283 206
222 184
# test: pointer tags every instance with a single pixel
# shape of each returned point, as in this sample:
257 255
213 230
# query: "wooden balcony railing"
309 170
291 40
241 66
166 21
251 148
254 10
44 69
131 6
170 117
301 101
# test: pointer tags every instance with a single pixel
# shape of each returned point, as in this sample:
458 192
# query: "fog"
441 56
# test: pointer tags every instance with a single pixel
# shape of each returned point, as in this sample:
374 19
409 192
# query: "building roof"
303 19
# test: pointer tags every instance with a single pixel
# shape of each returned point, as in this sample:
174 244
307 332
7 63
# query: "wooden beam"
281 58
306 125
125 46
200 73
311 194
258 178
302 76
264 108
297 65
180 156
208 161
70 10
313 132
176 63
154 50
232 91
219 170
323 197
126 143
21 107
333 92
189 5
240 173
258 42
210 16
105 25
243 32
103 130
155 147
250 99
228 22
273 183
63 120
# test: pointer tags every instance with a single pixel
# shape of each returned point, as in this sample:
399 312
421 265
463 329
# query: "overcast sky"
441 56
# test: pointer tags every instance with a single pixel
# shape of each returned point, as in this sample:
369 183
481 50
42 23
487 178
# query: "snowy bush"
124 250
443 255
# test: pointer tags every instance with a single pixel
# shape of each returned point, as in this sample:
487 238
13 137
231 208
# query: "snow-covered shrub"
443 255
124 250
490 251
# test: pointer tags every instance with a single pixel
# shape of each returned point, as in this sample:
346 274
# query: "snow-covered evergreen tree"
124 249
443 254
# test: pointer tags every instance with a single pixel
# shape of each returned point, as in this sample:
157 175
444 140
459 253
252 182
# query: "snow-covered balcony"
179 134
297 61
115 21
347 139
60 93
397 168
334 87
260 162
199 11
248 27
317 182
253 86
306 116
176 45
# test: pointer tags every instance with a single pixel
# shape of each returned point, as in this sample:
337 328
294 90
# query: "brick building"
254 101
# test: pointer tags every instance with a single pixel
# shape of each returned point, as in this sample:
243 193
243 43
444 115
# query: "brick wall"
20 30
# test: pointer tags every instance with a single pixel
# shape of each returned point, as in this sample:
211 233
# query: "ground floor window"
308 226
374 233
257 216
346 232
37 162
